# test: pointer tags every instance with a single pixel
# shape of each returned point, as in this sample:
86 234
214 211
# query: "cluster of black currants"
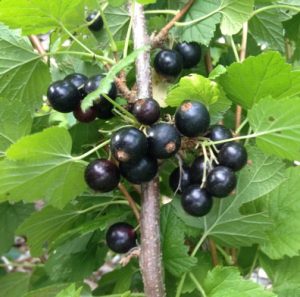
66 96
208 177
171 62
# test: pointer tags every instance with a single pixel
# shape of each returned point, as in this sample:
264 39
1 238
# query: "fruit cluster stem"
150 257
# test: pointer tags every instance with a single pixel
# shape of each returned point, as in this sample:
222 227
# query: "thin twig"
208 62
163 33
130 201
36 43
213 252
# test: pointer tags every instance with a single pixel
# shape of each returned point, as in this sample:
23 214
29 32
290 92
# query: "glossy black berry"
86 116
147 111
164 140
197 169
128 144
94 82
190 52
78 80
121 238
168 62
192 118
179 180
103 109
233 155
140 171
196 201
219 132
221 181
102 175
63 96
97 24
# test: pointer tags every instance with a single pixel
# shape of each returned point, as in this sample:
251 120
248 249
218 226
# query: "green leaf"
23 75
266 32
284 274
109 78
70 291
202 31
15 122
49 291
225 223
227 282
144 2
45 226
11 216
40 166
175 254
234 14
14 284
41 16
257 77
277 124
198 87
116 3
118 21
283 206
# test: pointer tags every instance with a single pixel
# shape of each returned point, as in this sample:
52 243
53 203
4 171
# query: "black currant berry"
164 140
85 116
197 170
63 96
233 155
121 238
140 171
179 180
221 181
128 144
97 24
196 201
190 52
78 80
102 175
103 109
192 118
93 83
219 132
168 62
147 111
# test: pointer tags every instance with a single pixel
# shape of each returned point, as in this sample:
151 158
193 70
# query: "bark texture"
150 257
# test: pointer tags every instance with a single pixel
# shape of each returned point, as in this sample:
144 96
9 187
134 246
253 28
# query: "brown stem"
208 62
130 201
213 252
163 33
150 258
238 113
38 46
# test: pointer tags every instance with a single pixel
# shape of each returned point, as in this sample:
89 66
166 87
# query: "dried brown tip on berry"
170 147
122 156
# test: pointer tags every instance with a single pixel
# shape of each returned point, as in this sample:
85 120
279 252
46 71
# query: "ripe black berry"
197 170
102 175
63 96
85 116
97 24
182 176
121 238
164 140
190 52
192 118
219 132
233 155
103 109
128 144
140 171
93 83
196 201
221 181
78 80
168 62
147 111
